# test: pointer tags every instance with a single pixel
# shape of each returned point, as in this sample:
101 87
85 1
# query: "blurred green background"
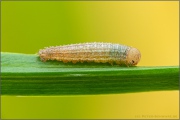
152 27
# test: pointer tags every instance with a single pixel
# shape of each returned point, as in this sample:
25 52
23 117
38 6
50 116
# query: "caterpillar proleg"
92 52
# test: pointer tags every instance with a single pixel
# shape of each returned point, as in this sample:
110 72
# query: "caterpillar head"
133 56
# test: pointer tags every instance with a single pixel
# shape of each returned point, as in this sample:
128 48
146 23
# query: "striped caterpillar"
92 52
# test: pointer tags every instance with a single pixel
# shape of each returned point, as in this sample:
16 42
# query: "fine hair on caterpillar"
92 52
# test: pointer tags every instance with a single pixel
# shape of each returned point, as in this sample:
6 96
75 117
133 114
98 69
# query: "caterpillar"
92 52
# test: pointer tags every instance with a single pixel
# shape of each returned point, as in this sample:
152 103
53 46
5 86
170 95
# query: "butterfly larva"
92 52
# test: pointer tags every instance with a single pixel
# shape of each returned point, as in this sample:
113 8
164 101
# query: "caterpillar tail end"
133 56
42 55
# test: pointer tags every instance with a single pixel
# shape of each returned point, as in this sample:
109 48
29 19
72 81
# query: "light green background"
152 27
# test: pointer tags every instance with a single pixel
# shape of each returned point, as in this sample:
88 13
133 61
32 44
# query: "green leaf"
23 74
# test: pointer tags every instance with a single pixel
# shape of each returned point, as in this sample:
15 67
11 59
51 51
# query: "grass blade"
23 74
